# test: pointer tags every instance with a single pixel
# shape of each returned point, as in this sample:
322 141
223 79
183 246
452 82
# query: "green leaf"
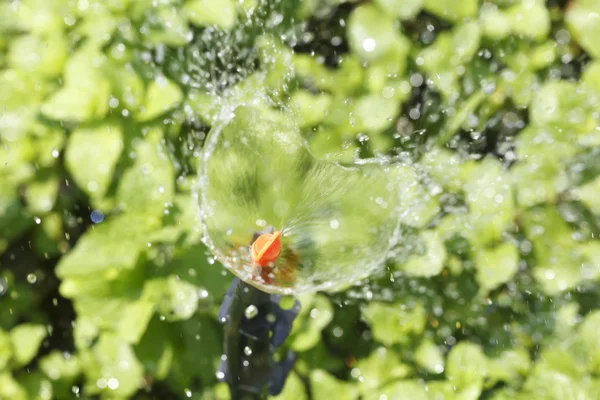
197 349
452 10
488 194
148 185
91 156
591 75
117 370
566 105
393 323
43 56
72 104
449 51
59 367
561 262
41 195
97 251
496 266
311 108
316 313
293 389
403 9
325 386
429 356
38 387
10 389
530 18
588 331
431 261
545 384
169 25
155 350
179 300
211 12
588 195
26 340
401 390
135 319
584 24
5 350
86 91
162 95
382 366
375 113
467 365
511 367
372 35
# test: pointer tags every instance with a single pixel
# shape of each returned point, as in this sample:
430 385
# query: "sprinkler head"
266 248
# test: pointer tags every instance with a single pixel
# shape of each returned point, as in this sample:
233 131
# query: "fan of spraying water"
337 222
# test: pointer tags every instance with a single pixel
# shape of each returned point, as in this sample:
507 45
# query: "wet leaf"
314 316
496 266
293 389
584 23
97 252
382 366
429 356
60 367
403 9
148 185
91 157
5 350
26 340
467 365
325 386
211 12
162 95
453 10
372 34
394 323
402 390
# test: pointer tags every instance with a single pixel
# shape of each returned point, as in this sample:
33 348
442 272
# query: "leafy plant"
106 290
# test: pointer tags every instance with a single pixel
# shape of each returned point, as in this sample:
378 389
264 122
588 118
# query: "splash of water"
338 222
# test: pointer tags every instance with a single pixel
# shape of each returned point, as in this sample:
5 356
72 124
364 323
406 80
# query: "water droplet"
416 80
37 220
251 311
369 44
32 278
55 153
188 392
334 224
113 383
97 216
92 186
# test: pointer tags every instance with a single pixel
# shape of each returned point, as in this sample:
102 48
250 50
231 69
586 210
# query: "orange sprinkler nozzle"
266 248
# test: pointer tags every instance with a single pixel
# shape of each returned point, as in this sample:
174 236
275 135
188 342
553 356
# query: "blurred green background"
106 291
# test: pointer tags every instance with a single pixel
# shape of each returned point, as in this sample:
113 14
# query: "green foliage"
492 286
